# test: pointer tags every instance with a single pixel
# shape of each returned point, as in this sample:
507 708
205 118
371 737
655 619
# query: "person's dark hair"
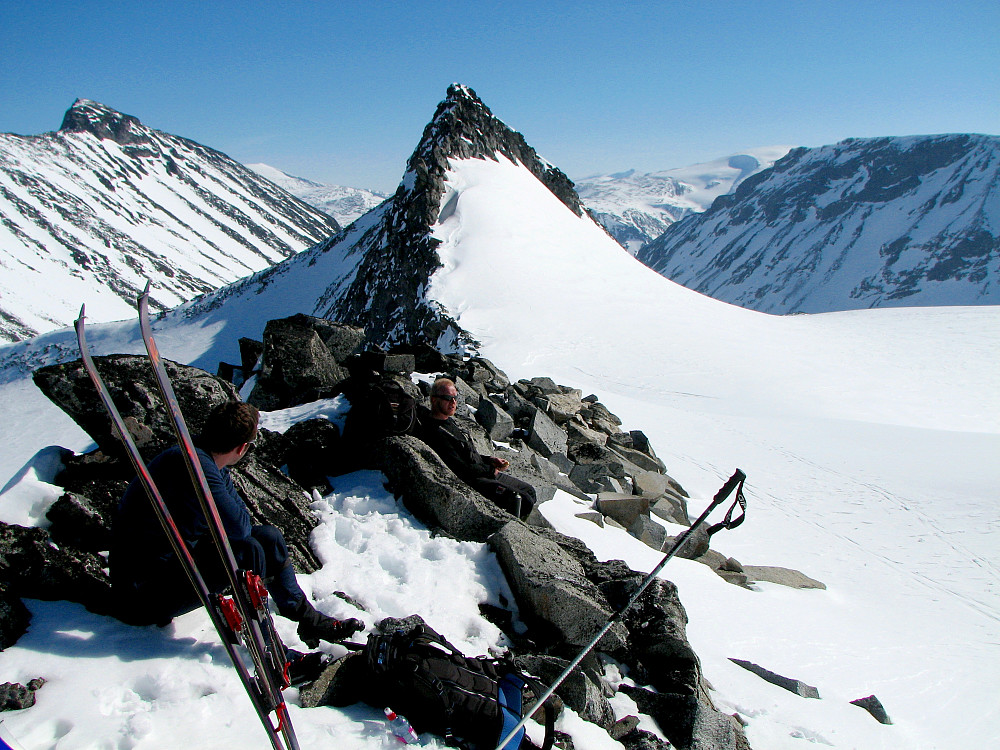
230 424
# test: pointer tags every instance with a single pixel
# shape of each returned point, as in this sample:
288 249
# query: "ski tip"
146 290
83 311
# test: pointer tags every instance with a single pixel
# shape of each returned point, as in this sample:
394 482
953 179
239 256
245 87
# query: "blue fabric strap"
511 689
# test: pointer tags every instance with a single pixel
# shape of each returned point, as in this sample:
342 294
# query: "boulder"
272 498
792 685
133 389
688 723
581 690
545 436
562 407
432 492
75 522
296 363
648 531
694 547
640 459
497 422
552 589
314 452
14 618
250 351
671 508
402 364
624 508
781 576
873 705
31 567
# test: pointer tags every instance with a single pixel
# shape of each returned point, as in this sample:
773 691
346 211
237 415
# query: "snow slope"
869 438
345 204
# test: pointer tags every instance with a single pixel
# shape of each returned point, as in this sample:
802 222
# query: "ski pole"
736 480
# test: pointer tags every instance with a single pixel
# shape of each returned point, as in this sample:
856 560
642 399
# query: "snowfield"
870 440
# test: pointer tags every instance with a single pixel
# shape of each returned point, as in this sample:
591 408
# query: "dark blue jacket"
139 547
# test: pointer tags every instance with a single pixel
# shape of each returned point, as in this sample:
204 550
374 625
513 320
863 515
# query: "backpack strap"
511 699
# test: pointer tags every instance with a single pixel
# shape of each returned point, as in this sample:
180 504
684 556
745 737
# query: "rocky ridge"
553 435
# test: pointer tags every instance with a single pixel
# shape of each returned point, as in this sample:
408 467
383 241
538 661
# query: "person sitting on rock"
148 582
456 449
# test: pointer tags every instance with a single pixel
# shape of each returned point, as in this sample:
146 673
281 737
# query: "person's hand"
500 464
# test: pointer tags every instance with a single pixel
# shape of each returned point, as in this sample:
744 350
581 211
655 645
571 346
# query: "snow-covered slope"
636 208
865 223
870 456
345 204
105 203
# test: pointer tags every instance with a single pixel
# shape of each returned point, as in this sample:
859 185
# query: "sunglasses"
445 398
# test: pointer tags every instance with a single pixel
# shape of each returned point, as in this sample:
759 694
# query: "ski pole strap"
728 522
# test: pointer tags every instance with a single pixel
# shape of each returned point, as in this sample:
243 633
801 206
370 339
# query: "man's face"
444 402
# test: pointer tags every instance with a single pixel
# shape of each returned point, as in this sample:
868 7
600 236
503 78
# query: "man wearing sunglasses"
456 449
148 583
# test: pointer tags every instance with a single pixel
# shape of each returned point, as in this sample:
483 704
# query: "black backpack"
472 702
380 407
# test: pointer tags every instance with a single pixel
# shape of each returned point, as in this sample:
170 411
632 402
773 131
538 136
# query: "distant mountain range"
90 212
345 204
875 222
637 208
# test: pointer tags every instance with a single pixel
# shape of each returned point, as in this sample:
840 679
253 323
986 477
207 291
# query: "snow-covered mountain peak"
345 204
869 222
94 210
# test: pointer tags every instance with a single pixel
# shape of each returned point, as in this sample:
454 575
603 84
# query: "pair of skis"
242 618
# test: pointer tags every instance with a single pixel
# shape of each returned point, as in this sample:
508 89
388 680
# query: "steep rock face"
88 213
375 273
864 223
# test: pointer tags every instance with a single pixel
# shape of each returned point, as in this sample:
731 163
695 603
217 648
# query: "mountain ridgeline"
377 271
92 211
906 221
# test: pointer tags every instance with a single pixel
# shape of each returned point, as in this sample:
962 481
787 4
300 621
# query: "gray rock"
545 435
497 422
873 705
593 516
640 459
403 364
296 364
671 508
562 407
622 507
432 492
14 618
648 531
552 589
250 351
520 408
133 389
792 685
695 546
580 691
76 523
467 395
782 576
15 696
31 567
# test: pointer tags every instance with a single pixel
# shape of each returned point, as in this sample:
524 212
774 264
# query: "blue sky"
340 91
